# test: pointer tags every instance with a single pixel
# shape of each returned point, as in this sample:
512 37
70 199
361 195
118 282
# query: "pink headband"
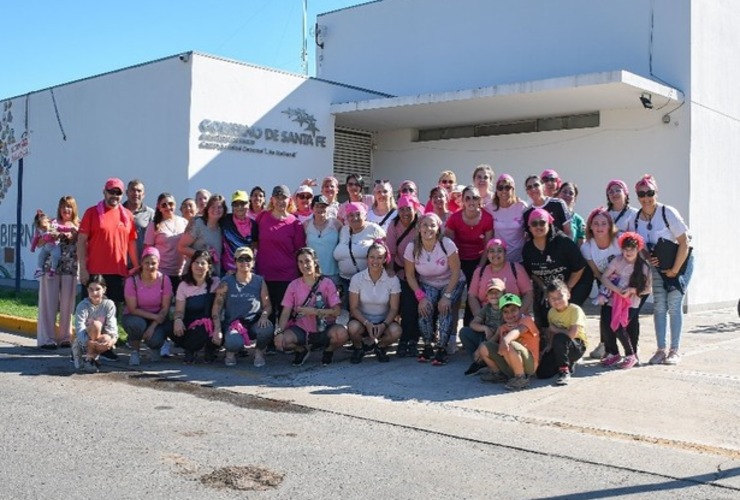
356 207
540 213
617 182
149 251
648 180
496 242
409 200
549 173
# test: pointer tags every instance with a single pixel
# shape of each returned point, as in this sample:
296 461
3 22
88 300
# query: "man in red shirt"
107 236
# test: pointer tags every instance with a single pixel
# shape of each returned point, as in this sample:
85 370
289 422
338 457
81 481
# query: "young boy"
513 352
566 335
484 325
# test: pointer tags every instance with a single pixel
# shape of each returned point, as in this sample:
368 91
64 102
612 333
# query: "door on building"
352 155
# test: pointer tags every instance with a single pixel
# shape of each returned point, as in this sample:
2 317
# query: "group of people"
278 271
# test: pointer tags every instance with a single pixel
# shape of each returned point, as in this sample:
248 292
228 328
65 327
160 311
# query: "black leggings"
564 353
468 268
409 311
628 336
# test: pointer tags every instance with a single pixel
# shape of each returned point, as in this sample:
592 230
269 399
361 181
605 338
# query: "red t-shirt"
108 237
470 241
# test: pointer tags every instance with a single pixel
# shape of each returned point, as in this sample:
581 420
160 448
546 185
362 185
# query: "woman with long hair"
236 229
508 217
256 202
204 233
383 208
568 192
618 204
164 234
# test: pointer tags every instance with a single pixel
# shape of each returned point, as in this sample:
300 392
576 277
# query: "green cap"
508 299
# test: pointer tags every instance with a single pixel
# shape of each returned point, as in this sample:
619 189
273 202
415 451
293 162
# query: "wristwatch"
447 295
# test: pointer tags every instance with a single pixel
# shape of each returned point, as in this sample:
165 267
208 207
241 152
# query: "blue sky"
49 43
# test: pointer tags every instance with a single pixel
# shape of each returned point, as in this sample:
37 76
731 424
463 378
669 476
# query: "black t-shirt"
557 208
560 259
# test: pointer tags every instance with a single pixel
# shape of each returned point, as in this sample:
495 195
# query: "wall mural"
7 139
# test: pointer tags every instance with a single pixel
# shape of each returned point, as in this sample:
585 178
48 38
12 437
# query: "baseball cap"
240 196
496 284
304 189
319 200
243 251
508 299
114 183
281 190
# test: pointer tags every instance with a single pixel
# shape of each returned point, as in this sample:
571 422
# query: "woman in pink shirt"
148 295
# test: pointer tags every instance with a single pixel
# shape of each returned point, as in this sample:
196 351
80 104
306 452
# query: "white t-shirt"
626 221
659 228
371 217
508 225
601 257
375 298
360 244
433 267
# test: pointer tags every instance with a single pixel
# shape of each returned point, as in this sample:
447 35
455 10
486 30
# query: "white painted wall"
407 47
715 149
130 123
258 97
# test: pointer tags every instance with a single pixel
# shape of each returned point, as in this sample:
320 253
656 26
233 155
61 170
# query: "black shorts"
114 288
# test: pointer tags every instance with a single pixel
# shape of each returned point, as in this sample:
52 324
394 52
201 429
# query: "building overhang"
569 95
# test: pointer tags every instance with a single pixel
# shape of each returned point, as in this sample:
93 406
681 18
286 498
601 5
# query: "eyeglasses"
538 223
379 181
550 179
167 204
447 181
408 190
483 177
305 196
534 185
244 258
642 194
239 204
504 188
114 192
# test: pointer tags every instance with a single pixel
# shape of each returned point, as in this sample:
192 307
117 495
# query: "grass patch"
24 304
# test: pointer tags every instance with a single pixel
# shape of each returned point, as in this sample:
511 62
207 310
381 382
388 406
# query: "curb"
23 326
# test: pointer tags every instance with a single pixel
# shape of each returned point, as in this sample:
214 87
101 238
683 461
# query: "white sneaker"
599 352
134 360
673 358
230 359
259 358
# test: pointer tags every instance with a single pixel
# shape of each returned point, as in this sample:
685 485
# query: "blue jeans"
668 304
446 321
471 339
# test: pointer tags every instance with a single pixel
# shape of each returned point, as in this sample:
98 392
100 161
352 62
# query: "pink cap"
538 214
507 179
149 251
409 200
356 207
496 242
617 182
549 173
113 183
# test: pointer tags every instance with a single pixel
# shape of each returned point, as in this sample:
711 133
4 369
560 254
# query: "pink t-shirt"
397 248
433 267
508 226
518 285
148 296
186 290
278 241
165 239
470 240
296 295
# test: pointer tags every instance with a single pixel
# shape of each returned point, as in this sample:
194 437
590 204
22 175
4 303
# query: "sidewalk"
686 409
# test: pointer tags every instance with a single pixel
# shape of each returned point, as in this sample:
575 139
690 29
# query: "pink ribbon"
237 326
205 323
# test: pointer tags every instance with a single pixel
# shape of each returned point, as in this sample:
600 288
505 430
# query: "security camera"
184 57
646 100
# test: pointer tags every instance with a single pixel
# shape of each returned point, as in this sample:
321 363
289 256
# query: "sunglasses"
305 196
384 181
245 258
167 204
538 223
447 182
614 190
239 204
114 192
534 185
408 190
471 198
549 179
642 194
504 188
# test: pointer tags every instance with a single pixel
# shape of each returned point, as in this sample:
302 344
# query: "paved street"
396 430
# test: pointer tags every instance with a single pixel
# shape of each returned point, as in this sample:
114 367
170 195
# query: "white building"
522 85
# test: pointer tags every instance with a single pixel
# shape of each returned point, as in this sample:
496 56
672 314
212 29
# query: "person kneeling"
566 335
95 324
512 354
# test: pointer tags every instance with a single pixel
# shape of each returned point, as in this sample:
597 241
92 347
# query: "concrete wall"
278 107
715 150
406 47
129 124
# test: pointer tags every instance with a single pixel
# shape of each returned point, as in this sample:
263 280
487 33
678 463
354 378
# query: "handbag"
665 251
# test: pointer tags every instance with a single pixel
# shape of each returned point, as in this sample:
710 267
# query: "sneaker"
110 355
155 356
563 377
494 377
517 383
599 352
368 347
402 349
381 354
426 354
259 358
210 352
357 355
611 360
628 362
90 366
189 358
165 351
77 355
300 357
65 344
412 350
657 358
673 358
327 357
475 367
230 359
440 358
49 347
135 359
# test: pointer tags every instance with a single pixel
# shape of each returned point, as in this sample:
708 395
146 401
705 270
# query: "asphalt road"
391 431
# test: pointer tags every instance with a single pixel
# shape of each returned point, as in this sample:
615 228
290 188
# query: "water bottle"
320 320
